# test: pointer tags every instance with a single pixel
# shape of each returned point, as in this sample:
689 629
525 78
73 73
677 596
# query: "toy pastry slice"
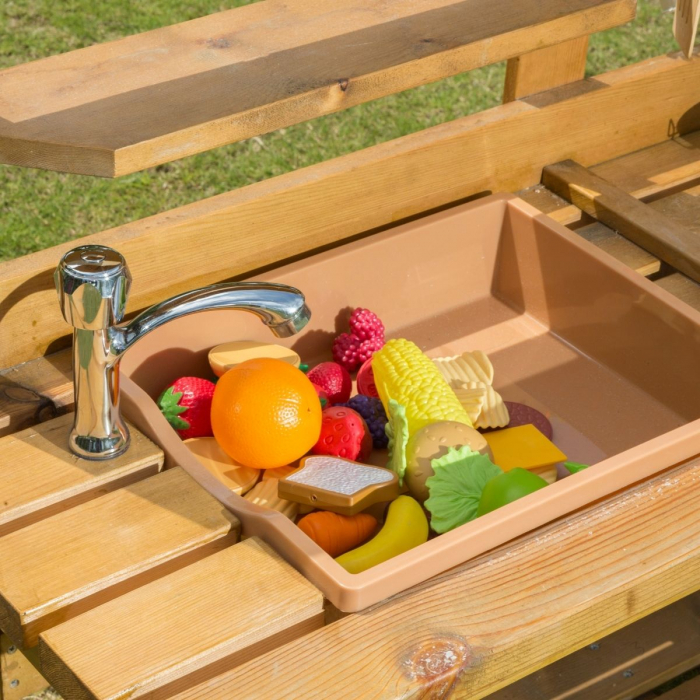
264 493
467 367
339 485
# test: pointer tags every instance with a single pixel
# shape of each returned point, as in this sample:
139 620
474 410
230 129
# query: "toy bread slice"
264 493
339 485
223 357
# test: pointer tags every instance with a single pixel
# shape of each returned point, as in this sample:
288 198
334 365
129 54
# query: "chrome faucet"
93 286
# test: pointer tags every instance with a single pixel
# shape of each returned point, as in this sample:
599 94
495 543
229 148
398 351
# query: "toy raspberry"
372 411
366 337
366 325
343 434
186 404
334 379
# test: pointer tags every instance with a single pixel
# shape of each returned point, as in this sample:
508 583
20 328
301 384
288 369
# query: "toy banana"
405 527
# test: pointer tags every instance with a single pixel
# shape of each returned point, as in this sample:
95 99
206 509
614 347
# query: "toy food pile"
450 447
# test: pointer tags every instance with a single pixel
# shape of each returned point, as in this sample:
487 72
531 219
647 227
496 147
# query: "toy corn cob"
414 394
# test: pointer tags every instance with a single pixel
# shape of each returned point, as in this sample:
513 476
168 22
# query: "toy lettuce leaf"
397 432
456 487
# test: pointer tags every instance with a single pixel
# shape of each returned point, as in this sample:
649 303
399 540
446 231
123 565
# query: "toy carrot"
337 534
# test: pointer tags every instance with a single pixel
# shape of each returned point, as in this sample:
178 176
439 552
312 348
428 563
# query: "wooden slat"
35 391
490 622
682 206
661 236
18 675
623 665
620 248
682 287
650 171
58 568
545 68
165 636
40 477
322 205
155 97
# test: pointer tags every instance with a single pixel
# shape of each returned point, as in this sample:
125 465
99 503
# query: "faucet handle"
93 284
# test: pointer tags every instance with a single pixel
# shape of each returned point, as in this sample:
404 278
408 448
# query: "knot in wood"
437 663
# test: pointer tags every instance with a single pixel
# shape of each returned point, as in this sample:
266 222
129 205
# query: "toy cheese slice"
524 446
339 485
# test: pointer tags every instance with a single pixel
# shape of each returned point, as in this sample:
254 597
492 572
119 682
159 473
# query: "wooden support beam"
487 623
74 561
130 104
545 69
184 628
661 236
19 677
503 149
623 665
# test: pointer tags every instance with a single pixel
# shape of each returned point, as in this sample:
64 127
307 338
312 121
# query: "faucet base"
98 448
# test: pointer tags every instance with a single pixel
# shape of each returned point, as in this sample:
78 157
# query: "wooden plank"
682 287
623 665
151 98
325 204
183 628
652 171
682 206
545 68
35 391
40 477
492 621
18 676
620 248
653 231
60 567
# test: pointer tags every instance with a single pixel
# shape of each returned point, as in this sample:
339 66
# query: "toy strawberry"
344 433
186 404
334 379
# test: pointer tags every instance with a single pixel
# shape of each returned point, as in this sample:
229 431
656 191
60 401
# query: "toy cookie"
338 485
227 355
238 478
523 446
434 441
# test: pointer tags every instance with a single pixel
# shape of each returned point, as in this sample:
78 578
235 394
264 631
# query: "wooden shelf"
116 108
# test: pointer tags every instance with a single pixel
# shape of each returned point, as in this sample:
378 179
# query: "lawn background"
39 209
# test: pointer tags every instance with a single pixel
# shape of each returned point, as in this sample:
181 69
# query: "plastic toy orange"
265 413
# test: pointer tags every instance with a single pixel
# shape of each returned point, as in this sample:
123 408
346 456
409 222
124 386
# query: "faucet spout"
93 284
278 306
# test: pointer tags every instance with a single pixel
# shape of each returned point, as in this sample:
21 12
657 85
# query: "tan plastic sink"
613 360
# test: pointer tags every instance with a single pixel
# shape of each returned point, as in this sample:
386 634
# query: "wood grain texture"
545 68
663 237
490 622
134 103
74 561
683 287
620 248
40 477
18 676
35 391
267 222
160 638
623 665
685 24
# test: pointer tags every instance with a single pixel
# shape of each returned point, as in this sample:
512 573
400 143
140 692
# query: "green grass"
39 209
